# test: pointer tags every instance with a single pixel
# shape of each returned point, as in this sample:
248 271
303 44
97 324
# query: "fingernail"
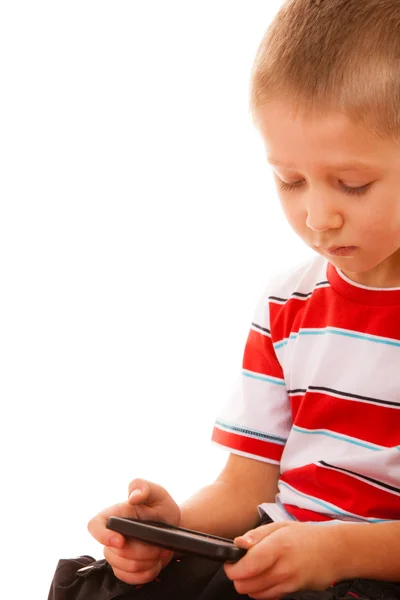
135 493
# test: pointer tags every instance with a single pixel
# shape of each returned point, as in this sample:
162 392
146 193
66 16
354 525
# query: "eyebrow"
349 166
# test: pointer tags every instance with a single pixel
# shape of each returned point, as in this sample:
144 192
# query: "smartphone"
178 539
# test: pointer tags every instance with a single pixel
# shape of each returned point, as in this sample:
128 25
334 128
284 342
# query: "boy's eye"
351 191
356 191
287 187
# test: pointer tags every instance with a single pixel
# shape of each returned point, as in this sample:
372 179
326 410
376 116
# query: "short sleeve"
257 419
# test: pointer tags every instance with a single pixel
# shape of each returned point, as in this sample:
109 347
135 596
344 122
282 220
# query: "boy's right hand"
132 561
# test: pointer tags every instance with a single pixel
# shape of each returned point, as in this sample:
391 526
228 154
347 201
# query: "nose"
322 214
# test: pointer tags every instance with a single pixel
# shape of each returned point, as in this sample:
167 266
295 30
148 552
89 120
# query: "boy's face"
339 190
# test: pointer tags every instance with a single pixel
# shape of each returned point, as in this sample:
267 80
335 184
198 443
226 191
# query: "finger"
145 492
126 564
97 526
264 586
258 558
273 593
138 578
254 536
271 583
135 550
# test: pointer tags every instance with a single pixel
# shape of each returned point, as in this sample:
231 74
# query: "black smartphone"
178 539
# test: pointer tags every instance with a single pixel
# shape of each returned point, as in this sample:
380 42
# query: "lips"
339 250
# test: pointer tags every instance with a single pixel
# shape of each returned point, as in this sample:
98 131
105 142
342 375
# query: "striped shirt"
320 396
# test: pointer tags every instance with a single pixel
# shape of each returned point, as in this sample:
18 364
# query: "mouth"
339 250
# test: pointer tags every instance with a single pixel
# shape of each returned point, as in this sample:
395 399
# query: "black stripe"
370 479
278 299
260 328
296 294
344 394
348 395
299 295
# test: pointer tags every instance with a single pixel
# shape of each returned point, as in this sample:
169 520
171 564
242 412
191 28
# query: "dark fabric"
184 578
363 589
188 578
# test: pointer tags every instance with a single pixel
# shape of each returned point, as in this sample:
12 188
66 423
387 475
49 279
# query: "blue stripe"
329 507
263 378
253 433
332 331
336 437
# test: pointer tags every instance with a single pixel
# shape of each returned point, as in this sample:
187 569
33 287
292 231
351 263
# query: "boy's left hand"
286 557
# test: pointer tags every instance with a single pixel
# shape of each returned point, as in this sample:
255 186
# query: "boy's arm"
370 551
228 507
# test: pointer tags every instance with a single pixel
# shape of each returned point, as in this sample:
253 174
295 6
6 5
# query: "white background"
138 228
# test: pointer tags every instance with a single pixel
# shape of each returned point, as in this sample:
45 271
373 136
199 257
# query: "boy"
314 432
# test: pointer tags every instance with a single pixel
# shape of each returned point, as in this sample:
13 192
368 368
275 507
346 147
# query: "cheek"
380 224
295 216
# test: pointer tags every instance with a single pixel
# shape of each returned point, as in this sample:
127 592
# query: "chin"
349 264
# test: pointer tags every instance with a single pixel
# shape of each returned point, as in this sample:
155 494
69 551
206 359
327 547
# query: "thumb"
146 492
254 536
137 496
139 491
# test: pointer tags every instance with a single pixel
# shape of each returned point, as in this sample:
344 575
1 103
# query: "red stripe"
368 422
326 308
249 445
259 355
303 514
286 318
295 403
344 491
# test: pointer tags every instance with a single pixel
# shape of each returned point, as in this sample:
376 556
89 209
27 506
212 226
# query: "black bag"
190 578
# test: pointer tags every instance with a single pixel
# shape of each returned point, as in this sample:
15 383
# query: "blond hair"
326 55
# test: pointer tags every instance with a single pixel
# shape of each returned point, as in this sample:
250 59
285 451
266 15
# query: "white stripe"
337 436
302 449
260 406
321 362
315 331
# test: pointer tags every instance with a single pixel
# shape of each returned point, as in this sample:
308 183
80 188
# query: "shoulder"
300 281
